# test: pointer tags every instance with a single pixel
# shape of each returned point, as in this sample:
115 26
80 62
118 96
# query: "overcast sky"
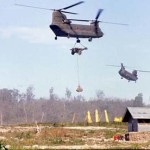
29 55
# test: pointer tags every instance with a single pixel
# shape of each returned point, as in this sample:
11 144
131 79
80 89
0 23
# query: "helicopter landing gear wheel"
90 39
72 52
55 37
78 41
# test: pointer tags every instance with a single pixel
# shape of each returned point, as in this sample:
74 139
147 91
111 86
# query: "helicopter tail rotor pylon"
96 22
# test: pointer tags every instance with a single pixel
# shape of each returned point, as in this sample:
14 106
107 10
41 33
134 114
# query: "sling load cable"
79 89
78 70
83 45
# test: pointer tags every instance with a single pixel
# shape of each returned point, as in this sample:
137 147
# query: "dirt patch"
139 136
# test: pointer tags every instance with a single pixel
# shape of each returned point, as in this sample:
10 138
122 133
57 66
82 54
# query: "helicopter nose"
102 34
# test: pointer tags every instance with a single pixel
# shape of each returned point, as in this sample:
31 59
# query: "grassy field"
67 136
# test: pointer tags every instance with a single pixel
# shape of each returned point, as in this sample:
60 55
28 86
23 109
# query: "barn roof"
137 113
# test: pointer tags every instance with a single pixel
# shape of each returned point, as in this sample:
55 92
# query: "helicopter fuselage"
127 75
130 76
75 30
64 28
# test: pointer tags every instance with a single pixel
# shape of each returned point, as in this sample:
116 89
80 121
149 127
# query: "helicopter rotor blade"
113 23
79 20
68 12
96 21
113 65
84 20
98 14
33 7
143 71
22 5
120 66
72 5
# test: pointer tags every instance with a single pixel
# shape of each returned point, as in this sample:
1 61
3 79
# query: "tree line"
24 108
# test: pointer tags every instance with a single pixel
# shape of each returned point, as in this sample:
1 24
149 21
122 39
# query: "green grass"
57 141
76 142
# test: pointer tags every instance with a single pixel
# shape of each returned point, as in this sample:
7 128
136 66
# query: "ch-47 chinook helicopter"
130 76
63 27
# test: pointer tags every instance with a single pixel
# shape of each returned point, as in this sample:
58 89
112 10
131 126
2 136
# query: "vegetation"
23 108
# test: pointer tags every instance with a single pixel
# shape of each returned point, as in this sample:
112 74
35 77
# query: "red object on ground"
116 137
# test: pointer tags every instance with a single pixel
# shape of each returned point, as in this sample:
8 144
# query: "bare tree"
138 102
29 93
16 107
51 93
100 94
68 94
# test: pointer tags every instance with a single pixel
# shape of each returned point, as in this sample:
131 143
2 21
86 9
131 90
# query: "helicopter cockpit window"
66 21
64 17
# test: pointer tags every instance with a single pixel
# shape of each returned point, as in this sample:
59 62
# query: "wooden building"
138 119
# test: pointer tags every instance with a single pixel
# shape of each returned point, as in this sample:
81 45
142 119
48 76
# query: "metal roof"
137 113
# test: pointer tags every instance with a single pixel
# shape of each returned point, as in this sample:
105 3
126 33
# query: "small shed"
138 119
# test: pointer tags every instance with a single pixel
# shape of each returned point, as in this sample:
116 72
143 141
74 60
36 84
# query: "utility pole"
1 119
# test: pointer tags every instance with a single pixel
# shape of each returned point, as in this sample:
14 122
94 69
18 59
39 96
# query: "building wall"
142 127
132 125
